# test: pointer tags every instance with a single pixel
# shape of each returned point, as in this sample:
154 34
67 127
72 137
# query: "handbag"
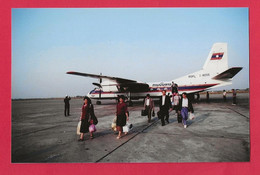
191 116
92 128
78 128
144 112
95 120
113 125
127 127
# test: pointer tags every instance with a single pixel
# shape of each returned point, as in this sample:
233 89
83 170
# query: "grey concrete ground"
219 133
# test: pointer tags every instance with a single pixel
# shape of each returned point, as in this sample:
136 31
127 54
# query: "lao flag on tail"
217 56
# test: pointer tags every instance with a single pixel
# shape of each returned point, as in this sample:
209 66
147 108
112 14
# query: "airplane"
215 73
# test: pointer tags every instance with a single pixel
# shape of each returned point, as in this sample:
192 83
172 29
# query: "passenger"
177 87
207 97
198 97
87 118
185 106
174 88
175 103
121 115
149 106
234 97
67 106
126 100
224 95
165 105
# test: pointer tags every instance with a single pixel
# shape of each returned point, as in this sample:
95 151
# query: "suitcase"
179 118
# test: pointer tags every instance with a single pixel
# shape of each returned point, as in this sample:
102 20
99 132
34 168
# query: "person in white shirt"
149 106
185 106
224 95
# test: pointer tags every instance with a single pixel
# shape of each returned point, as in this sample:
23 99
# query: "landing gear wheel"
98 102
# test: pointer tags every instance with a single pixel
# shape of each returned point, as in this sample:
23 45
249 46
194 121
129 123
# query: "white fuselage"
191 83
214 73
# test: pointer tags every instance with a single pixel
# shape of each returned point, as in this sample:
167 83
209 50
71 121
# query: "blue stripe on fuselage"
180 88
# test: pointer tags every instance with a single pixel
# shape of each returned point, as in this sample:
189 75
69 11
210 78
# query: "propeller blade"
97 84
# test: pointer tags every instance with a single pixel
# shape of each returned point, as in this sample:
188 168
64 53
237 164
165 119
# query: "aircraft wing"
124 84
230 73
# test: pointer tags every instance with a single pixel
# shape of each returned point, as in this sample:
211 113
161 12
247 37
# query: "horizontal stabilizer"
230 73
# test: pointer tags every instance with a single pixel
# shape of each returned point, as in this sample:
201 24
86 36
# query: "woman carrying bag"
88 119
121 116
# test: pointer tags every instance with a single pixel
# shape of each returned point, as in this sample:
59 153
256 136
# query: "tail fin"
217 60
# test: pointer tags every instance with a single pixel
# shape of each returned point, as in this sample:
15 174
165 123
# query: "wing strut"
99 97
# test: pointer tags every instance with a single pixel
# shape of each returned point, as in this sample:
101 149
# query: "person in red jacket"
87 118
121 116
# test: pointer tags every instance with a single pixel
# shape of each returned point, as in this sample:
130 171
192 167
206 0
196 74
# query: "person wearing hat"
148 106
87 118
67 106
121 115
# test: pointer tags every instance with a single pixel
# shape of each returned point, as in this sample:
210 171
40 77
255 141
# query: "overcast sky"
145 44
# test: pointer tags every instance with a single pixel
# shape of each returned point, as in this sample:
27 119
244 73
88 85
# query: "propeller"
97 84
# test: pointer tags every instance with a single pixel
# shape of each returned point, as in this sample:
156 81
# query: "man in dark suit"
165 105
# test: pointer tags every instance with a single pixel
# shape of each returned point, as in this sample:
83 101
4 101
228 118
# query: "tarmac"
219 133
